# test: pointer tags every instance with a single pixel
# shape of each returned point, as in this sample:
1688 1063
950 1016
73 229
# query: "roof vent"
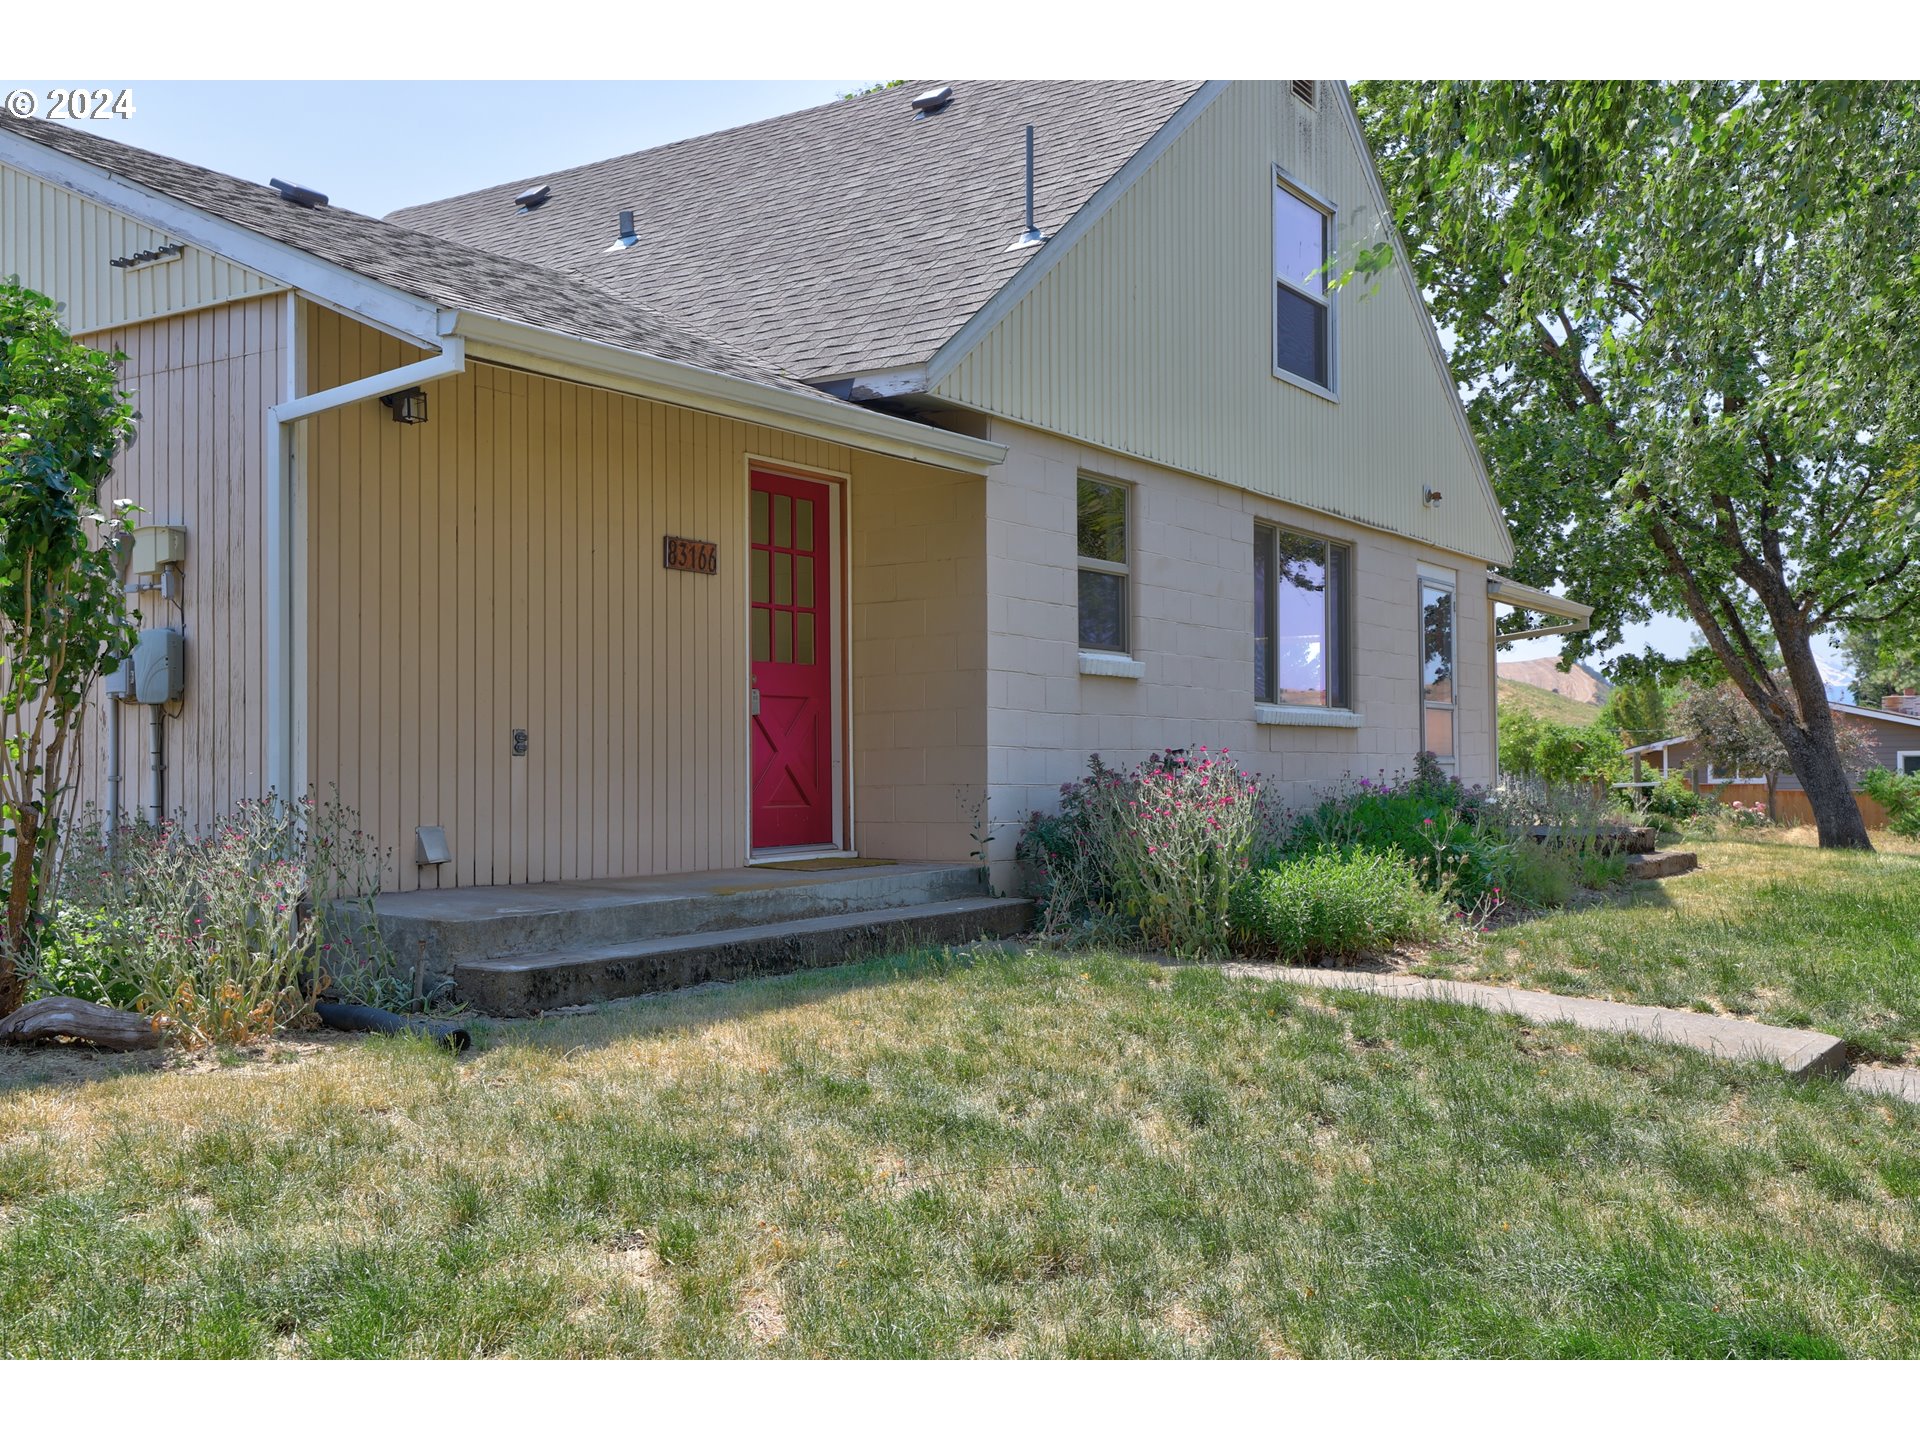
1032 235
932 102
533 199
627 238
1303 91
299 195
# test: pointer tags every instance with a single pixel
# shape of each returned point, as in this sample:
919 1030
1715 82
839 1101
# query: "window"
1299 619
1103 566
1907 762
1302 309
1436 669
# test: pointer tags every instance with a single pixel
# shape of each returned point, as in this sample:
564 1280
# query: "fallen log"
62 1018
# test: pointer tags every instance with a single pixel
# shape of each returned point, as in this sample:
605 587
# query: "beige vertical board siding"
499 567
63 246
201 382
1153 336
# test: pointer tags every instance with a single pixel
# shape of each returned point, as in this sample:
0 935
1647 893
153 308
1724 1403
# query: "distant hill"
1580 685
1517 695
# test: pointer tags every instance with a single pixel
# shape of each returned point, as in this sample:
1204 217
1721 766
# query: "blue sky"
374 146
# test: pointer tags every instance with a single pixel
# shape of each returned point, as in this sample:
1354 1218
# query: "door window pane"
1103 611
803 580
803 525
782 520
782 578
762 633
803 643
757 509
782 637
1439 736
757 567
1436 627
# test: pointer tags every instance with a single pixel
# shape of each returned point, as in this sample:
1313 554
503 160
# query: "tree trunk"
19 897
1836 814
1773 786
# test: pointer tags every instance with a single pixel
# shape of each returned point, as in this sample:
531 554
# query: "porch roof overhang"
592 362
1540 602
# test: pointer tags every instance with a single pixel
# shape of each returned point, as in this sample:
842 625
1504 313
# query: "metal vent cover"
1303 91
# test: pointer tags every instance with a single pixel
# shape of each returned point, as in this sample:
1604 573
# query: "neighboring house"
782 490
1893 742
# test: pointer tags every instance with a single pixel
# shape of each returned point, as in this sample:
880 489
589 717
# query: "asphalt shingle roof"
430 267
853 236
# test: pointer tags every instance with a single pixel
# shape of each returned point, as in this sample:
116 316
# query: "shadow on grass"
54 1064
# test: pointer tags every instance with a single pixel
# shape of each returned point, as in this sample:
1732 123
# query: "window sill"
1104 662
1301 382
1313 715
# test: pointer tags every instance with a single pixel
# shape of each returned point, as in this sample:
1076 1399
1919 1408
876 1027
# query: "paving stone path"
1798 1052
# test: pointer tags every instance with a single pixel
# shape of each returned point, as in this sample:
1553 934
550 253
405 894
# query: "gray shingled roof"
429 267
853 236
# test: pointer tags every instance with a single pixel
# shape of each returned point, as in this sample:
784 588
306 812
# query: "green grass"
1547 704
1009 1154
1769 928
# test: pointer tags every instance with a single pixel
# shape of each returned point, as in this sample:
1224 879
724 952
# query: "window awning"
1540 602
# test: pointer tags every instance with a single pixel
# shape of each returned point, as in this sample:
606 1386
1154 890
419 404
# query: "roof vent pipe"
626 238
1031 235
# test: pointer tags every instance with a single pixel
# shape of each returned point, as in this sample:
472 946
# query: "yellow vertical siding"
1152 336
62 245
201 383
499 568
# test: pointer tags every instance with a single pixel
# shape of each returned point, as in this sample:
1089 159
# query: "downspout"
281 513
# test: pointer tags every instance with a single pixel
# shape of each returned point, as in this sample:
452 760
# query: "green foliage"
1885 659
1669 799
216 932
1428 819
1151 852
1898 795
1736 741
1688 322
62 620
874 89
1638 712
1548 750
1327 904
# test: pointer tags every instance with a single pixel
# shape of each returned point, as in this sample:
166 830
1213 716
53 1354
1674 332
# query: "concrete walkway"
1798 1052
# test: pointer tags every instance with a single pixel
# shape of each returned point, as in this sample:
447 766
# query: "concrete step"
527 984
1661 864
445 928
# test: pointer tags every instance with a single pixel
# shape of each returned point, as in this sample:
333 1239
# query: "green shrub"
1149 853
1548 750
212 932
1328 904
1427 818
1671 800
1541 877
1898 795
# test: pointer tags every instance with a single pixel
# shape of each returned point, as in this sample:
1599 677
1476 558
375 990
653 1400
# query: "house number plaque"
702 557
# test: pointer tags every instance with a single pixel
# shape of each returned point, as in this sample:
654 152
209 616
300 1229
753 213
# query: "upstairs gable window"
1302 308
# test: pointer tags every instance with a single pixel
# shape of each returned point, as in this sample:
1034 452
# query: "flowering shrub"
1747 814
211 932
1151 852
1427 818
1329 904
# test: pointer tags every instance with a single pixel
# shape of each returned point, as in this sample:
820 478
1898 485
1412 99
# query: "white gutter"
281 516
593 362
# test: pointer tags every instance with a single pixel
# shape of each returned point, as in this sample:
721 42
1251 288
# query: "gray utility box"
159 667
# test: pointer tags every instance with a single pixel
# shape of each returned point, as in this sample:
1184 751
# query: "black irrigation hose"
384 1022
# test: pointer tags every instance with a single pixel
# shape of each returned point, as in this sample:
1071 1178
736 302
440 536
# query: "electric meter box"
159 667
157 546
120 681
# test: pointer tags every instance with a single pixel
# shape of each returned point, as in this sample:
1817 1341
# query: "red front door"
790 580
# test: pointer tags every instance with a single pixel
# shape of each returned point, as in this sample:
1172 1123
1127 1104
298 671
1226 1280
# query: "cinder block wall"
1192 616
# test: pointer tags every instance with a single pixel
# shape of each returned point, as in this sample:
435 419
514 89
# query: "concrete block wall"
1191 553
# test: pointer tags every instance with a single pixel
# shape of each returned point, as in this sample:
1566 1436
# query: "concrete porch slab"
445 928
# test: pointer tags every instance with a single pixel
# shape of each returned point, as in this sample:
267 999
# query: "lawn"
1770 927
999 1154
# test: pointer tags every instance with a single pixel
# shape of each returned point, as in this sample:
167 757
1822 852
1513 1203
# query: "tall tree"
63 621
1688 319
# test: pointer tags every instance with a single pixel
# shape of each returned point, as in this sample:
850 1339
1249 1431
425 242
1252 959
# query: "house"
1893 743
832 485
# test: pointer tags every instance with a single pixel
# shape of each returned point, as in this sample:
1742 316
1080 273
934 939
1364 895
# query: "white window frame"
1124 569
1331 390
1900 759
1275 711
1440 580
